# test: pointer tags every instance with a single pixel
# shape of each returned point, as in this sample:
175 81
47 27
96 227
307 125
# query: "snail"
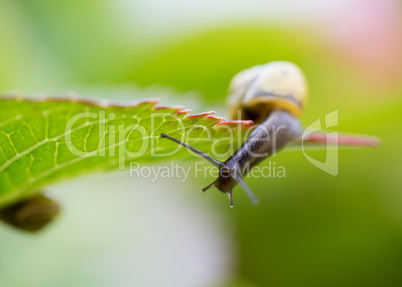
273 96
31 214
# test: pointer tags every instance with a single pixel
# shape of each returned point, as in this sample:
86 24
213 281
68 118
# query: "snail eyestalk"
250 194
208 187
228 177
214 162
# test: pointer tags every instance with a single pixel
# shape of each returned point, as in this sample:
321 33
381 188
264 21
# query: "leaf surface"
50 139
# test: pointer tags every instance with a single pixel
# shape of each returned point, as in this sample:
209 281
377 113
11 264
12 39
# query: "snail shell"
255 92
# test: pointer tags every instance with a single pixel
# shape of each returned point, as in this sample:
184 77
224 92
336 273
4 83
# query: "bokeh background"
310 229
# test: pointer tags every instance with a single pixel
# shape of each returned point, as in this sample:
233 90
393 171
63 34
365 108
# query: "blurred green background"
310 229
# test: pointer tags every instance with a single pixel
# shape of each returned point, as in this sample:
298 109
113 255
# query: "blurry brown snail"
31 214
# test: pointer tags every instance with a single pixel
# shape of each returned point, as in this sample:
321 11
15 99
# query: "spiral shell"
255 92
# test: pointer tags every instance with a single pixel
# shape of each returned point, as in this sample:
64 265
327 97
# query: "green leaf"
47 140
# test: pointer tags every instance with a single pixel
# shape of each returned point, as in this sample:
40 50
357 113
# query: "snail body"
273 96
